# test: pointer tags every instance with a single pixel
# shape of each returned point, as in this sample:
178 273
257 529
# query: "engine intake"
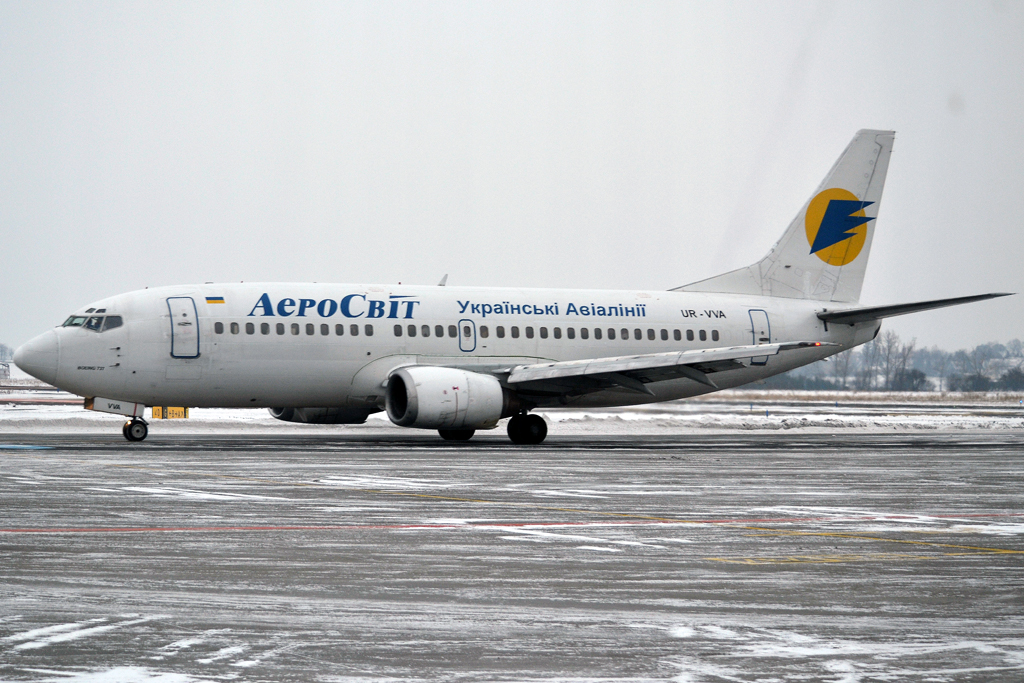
431 397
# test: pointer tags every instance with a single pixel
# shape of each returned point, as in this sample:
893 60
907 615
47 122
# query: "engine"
447 398
321 416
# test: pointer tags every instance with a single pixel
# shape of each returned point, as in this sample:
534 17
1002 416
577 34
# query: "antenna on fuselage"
443 281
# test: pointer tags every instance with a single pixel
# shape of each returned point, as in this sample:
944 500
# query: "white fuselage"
309 345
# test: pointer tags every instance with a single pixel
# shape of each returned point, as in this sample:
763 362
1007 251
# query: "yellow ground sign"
169 413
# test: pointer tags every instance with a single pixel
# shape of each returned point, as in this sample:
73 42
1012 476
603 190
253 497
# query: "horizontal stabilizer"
852 316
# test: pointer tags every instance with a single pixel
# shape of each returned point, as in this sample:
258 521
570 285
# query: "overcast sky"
576 144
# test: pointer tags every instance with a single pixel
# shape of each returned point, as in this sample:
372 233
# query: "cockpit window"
96 323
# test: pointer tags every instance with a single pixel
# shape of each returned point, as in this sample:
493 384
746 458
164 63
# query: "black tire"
136 430
456 434
527 430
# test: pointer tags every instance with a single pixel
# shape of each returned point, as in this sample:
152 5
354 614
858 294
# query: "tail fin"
824 252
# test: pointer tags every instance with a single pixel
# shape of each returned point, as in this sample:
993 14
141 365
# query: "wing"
636 372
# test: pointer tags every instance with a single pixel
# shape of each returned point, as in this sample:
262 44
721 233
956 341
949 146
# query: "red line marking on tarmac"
480 525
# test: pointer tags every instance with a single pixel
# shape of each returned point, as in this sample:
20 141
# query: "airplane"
461 359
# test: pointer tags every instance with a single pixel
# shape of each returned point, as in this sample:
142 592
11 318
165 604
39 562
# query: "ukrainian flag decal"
214 299
836 226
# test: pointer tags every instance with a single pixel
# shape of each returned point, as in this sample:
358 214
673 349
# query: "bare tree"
889 347
841 368
867 369
942 363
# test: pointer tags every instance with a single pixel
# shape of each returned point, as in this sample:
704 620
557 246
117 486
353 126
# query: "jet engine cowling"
322 416
430 397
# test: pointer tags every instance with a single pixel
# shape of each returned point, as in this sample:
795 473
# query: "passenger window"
515 332
412 330
94 323
625 334
484 332
339 330
111 322
218 328
677 335
584 333
597 333
558 332
650 334
353 329
325 329
703 335
265 328
453 331
368 329
611 333
570 332
280 328
310 330
250 328
689 335
714 335
501 332
664 335
467 331
638 333
425 330
529 333
234 328
398 330
543 333
438 330
295 328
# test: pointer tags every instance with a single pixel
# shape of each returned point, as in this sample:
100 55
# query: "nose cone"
39 357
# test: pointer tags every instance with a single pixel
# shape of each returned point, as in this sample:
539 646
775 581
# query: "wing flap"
635 372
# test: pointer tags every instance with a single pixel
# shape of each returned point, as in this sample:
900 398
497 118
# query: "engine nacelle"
321 416
430 397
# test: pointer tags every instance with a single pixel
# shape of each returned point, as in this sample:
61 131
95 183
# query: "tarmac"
696 557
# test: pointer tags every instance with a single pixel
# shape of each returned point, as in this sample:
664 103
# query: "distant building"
5 371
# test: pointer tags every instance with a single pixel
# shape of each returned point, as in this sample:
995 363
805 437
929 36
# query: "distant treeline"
887 363
6 352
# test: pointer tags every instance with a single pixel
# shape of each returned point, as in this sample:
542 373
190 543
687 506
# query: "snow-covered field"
26 409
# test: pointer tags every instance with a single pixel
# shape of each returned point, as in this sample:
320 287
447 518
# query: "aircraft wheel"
456 434
136 430
527 429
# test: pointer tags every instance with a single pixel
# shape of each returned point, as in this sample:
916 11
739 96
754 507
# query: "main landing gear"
523 429
527 429
135 430
456 434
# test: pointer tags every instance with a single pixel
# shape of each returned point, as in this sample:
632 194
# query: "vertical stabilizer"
824 252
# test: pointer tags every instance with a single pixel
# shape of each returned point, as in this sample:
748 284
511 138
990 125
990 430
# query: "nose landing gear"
135 430
527 429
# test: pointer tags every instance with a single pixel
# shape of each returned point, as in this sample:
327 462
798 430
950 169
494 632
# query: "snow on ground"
120 674
737 411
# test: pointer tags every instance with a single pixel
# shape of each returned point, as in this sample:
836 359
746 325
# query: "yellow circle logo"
836 226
